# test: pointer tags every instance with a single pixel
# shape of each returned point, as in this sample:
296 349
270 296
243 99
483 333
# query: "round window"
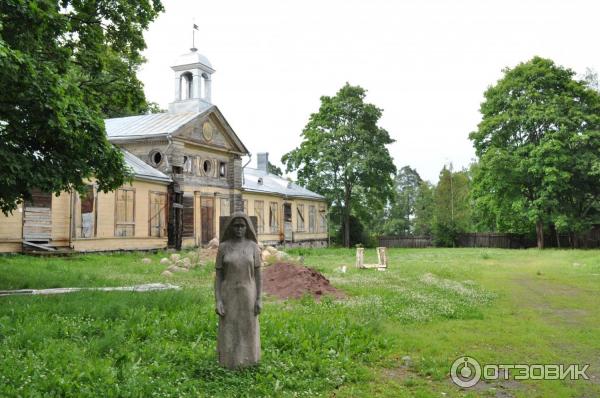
207 166
156 157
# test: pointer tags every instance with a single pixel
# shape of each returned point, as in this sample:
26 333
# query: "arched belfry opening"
187 89
193 78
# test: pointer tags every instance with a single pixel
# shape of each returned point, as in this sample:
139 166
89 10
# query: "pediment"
211 129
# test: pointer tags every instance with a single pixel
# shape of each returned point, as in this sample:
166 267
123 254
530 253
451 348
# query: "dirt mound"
285 280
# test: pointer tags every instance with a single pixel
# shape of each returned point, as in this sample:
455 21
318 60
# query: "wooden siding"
119 243
297 236
11 226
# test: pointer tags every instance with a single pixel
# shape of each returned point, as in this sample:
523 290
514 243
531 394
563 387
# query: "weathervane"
194 29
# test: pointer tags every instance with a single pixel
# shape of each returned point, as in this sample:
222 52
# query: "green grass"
432 305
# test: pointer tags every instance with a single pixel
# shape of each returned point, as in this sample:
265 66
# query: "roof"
153 125
272 183
192 58
162 125
144 171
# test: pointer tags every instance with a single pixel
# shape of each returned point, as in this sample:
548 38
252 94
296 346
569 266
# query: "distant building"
188 172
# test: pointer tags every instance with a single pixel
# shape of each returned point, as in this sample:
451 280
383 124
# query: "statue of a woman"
237 293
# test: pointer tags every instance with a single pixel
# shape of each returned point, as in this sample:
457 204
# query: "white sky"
425 63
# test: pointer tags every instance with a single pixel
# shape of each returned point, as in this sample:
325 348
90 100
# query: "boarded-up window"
245 201
125 212
312 219
322 218
39 199
259 212
300 217
88 215
225 208
188 216
273 218
158 214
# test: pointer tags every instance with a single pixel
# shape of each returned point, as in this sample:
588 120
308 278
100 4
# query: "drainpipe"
244 166
70 217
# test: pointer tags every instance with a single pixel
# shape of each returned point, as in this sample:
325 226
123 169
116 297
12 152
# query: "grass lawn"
432 305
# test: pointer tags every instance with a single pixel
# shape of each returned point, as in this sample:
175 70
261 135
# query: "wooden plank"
32 209
39 246
39 224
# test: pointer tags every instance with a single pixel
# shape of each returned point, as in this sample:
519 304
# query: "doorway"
287 221
207 219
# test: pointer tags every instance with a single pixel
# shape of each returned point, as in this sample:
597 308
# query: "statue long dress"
238 342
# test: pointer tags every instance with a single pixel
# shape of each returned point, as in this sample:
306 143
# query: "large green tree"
343 155
424 209
539 149
452 207
401 214
64 66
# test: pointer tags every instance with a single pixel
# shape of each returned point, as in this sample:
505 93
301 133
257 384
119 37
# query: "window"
125 209
222 169
158 214
259 212
287 213
156 157
322 218
300 218
88 215
225 208
207 167
273 219
312 218
245 201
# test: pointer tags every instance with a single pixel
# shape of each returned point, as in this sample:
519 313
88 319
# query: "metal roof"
192 58
274 184
155 124
141 170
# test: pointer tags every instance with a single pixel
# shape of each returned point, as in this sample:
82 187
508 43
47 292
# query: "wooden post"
360 257
382 256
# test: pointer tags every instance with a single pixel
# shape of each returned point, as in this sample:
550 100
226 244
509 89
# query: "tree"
452 209
402 209
424 208
274 169
539 149
64 66
343 155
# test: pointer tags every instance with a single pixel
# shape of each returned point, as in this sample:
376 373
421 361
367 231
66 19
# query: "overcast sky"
425 63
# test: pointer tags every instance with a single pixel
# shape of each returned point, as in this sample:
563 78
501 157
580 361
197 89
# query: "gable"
212 130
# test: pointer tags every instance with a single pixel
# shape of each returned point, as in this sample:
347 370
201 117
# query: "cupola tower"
193 79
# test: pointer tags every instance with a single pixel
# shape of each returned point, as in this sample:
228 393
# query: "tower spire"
194 29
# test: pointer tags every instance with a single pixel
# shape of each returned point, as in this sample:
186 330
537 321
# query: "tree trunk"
347 228
539 231
347 217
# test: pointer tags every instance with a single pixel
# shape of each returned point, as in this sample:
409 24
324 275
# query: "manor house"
187 174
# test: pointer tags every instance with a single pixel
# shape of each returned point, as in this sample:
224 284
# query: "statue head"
234 226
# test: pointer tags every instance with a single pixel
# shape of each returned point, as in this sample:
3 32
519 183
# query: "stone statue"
238 293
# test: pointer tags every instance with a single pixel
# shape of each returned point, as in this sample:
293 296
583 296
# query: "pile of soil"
285 280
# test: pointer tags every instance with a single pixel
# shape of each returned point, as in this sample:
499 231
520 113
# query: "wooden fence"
588 240
405 241
502 241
